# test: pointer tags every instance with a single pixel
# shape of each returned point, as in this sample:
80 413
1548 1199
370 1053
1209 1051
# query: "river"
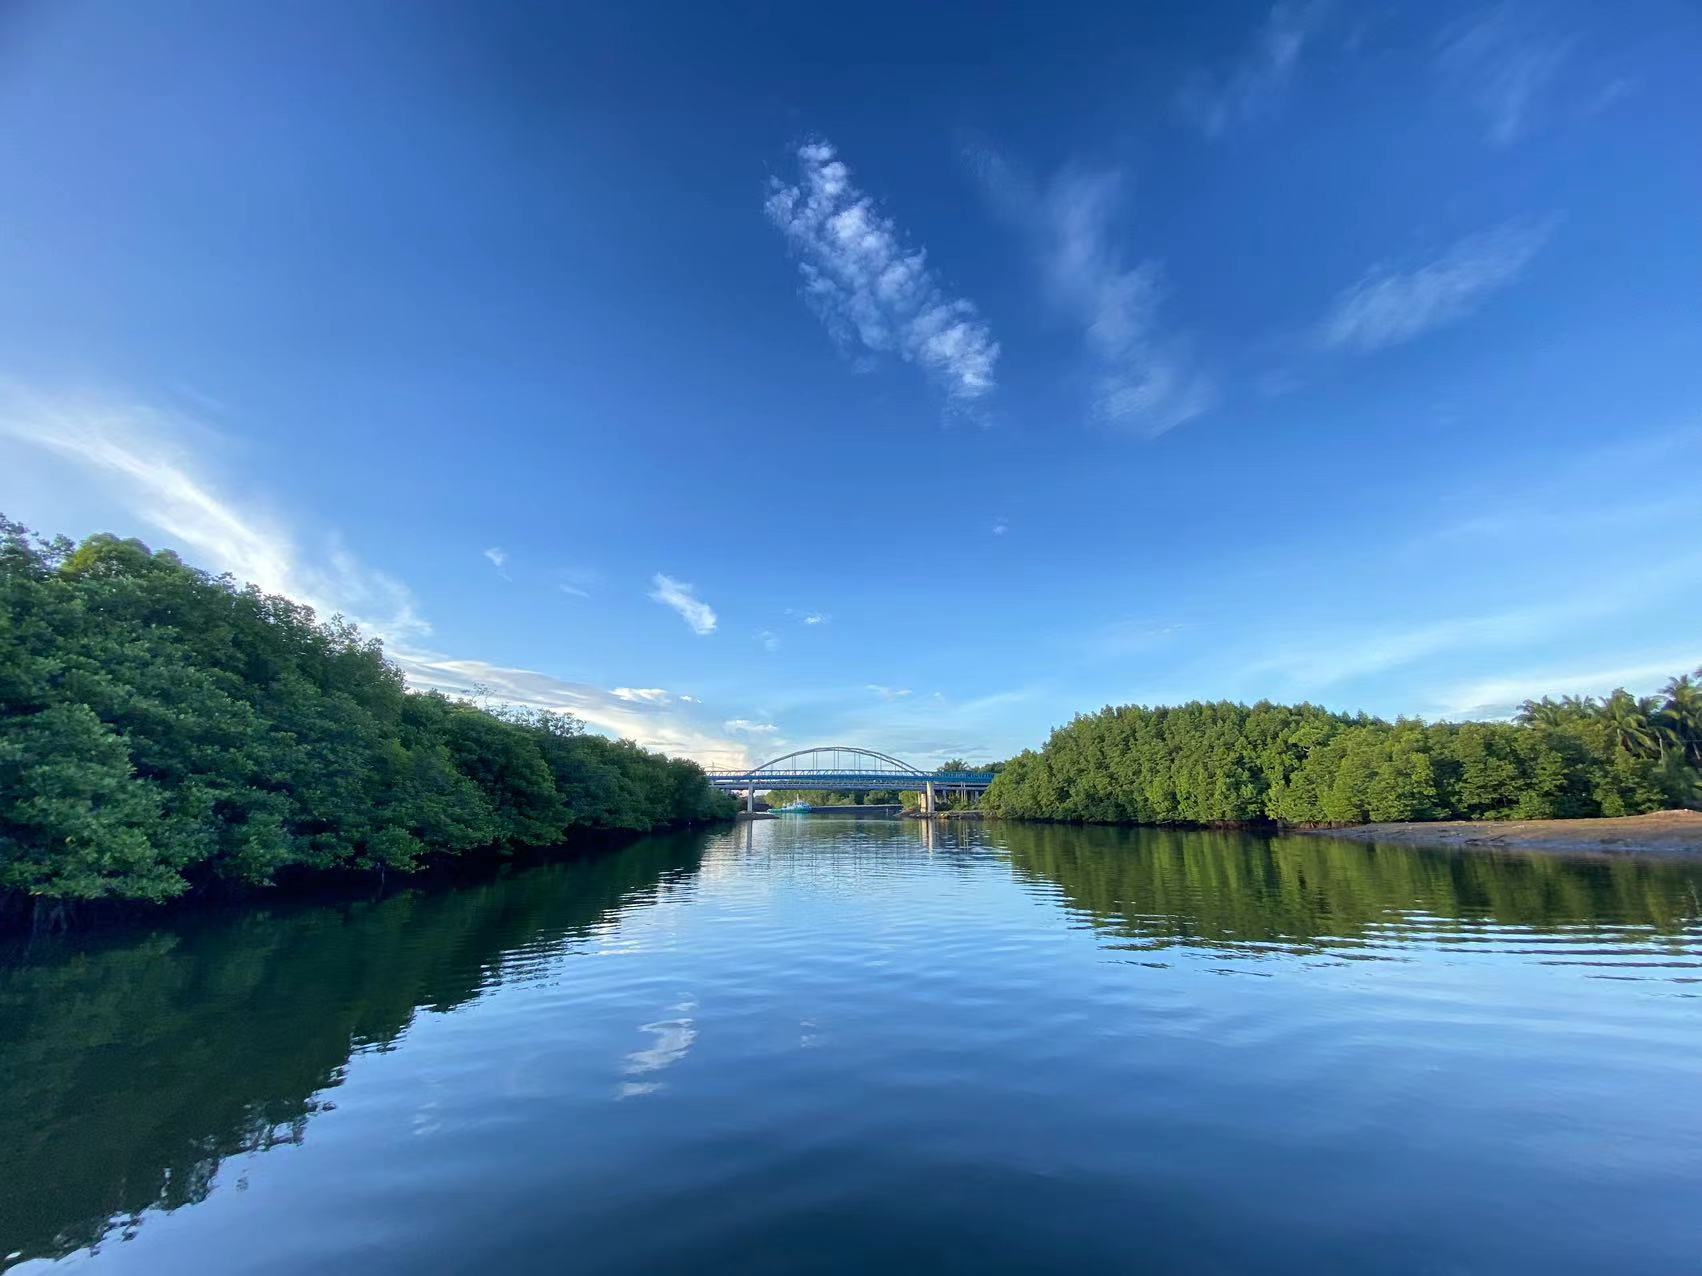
824 1044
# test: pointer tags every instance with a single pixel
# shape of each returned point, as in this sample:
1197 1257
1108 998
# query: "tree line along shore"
1301 765
166 733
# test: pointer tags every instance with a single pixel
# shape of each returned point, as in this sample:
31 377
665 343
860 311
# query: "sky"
742 378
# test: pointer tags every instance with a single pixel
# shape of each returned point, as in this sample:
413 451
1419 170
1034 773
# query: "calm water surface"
829 1045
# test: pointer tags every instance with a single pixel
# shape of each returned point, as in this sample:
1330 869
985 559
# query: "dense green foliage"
162 730
1298 764
833 797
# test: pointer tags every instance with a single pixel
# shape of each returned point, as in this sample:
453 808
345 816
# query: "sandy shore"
1676 833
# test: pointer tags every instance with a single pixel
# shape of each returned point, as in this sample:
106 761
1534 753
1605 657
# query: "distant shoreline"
1670 834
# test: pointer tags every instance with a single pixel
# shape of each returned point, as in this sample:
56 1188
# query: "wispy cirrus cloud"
1324 660
1500 696
134 449
131 452
682 597
498 556
1502 64
928 729
1386 307
646 695
1121 638
1144 380
888 693
1341 654
1254 88
869 285
1621 86
575 582
652 723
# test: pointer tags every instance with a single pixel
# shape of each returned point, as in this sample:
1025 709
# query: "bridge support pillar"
750 801
928 799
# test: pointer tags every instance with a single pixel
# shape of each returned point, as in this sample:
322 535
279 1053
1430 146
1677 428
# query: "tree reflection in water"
135 1064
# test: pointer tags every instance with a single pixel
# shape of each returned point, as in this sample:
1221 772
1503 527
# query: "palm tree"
1540 713
1653 709
1681 717
1627 722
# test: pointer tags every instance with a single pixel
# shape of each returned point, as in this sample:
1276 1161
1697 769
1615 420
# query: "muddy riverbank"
1669 833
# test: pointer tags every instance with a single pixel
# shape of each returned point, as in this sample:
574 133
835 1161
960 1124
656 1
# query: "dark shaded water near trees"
829 1044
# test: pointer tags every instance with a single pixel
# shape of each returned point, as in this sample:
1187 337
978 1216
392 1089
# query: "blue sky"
748 377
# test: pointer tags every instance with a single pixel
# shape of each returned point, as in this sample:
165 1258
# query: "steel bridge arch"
897 764
887 772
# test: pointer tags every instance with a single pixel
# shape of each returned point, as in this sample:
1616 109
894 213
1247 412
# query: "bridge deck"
849 781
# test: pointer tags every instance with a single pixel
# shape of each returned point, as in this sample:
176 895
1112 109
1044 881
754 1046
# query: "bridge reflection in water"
845 769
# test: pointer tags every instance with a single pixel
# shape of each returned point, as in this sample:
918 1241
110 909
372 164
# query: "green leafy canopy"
162 730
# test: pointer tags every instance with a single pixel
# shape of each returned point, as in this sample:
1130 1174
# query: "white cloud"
888 693
133 450
1340 657
769 639
498 556
868 285
1143 380
815 618
1124 637
575 582
683 599
1255 88
1000 527
1501 67
928 729
744 726
1386 307
1342 653
652 724
649 695
1500 697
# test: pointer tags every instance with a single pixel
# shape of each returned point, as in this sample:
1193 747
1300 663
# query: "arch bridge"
843 768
